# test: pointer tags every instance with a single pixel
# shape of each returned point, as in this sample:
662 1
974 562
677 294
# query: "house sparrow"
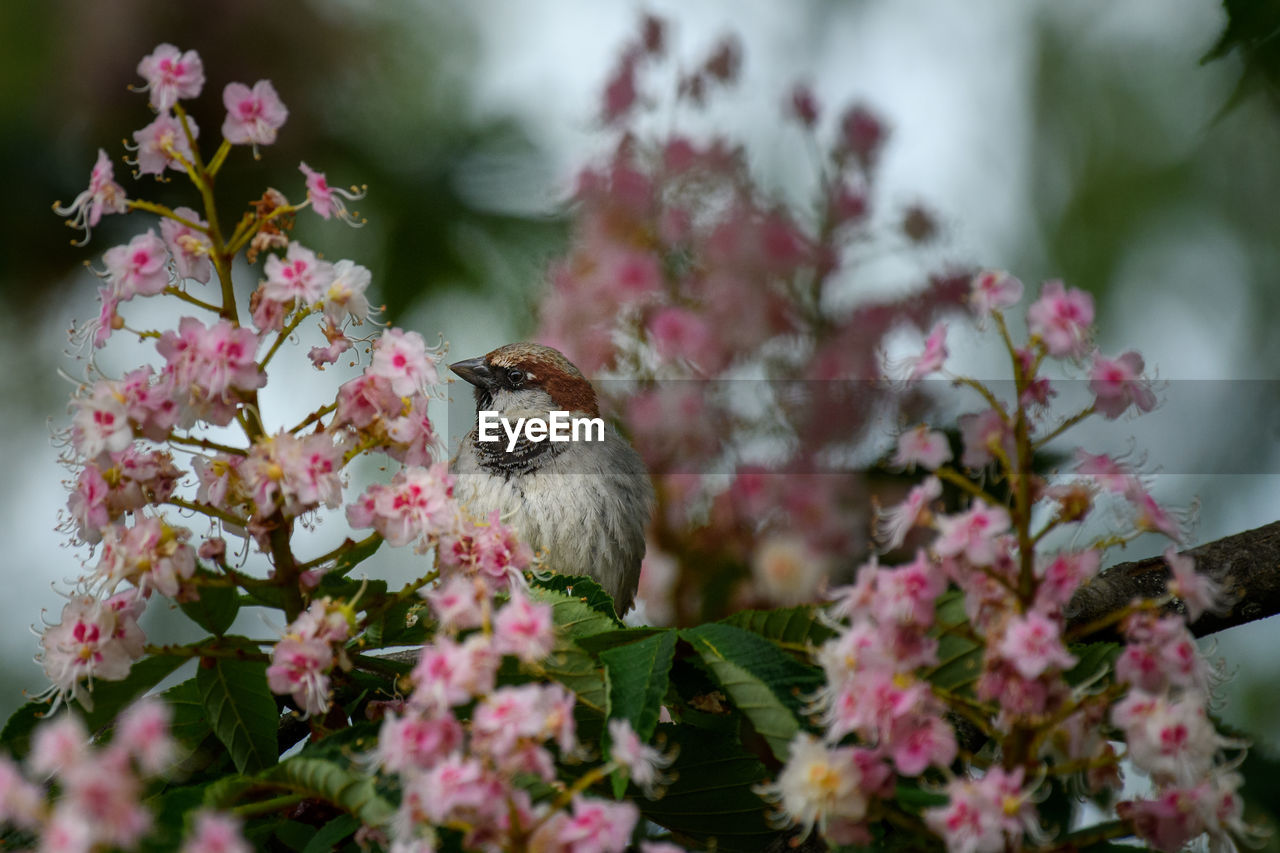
586 503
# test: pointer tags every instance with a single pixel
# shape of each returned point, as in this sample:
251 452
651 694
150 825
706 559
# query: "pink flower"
1198 592
189 247
416 505
818 786
450 673
404 359
300 667
1173 741
253 115
417 743
934 355
595 826
491 549
983 434
215 833
524 629
644 763
164 144
1032 644
301 277
972 534
1168 822
863 133
143 731
804 105
787 569
327 201
895 523
21 802
456 603
1118 383
366 399
921 741
58 744
906 595
678 333
103 196
171 75
1064 574
994 290
345 295
1149 515
212 365
1061 318
150 555
95 639
988 815
139 267
102 791
101 421
297 474
924 447
1109 474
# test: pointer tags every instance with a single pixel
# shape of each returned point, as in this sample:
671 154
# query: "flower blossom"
994 290
253 115
297 474
987 815
189 247
1118 383
163 144
1032 644
972 533
1061 318
215 832
171 75
405 359
644 763
924 447
523 628
150 555
490 549
934 355
824 787
893 524
416 505
1197 591
329 201
103 196
138 268
95 639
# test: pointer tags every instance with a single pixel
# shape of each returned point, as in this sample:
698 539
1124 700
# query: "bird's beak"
475 371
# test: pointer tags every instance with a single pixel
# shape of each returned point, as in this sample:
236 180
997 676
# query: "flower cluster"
101 787
683 271
892 694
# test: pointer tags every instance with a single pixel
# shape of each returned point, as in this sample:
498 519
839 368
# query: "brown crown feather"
551 371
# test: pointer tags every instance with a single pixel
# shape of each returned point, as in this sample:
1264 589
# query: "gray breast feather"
587 508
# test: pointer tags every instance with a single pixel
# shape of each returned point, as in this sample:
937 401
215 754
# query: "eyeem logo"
558 427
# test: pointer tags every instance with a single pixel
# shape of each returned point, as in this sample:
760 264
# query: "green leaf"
712 797
597 643
318 777
959 658
638 677
190 721
224 792
357 554
404 624
215 610
578 671
16 735
241 710
110 697
1093 659
331 834
764 682
170 810
794 625
587 598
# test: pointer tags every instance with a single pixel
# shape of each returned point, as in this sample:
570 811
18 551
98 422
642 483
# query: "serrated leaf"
711 798
764 682
639 674
110 697
597 643
333 832
170 810
215 610
959 658
318 777
355 555
578 671
793 625
586 592
241 710
190 722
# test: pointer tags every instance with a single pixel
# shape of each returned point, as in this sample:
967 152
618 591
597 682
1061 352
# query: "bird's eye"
515 377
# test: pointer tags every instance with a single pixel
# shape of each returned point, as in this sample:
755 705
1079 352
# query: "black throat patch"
526 456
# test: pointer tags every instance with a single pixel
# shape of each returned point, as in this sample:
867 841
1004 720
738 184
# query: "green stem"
166 212
205 650
1065 425
274 804
406 592
219 157
963 483
348 545
313 417
206 509
206 444
283 335
187 297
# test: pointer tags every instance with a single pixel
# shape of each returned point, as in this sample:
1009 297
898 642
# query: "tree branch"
1246 564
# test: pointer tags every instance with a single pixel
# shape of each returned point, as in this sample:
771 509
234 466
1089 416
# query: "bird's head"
528 377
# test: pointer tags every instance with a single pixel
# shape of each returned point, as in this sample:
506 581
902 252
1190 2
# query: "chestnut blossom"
1061 319
189 247
987 815
58 744
644 764
456 602
100 423
490 549
1149 515
138 268
450 673
417 505
345 296
171 75
151 555
329 201
21 802
983 435
894 523
95 639
1109 474
1118 383
295 474
973 533
1032 644
924 447
299 667
300 278
142 730
103 196
820 787
594 826
787 569
253 115
934 355
1197 591
417 742
994 290
215 832
214 365
523 628
163 144
1172 740
406 360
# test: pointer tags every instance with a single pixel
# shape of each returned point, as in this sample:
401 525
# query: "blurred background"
1084 141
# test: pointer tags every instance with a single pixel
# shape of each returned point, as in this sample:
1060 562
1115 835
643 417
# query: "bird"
584 503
